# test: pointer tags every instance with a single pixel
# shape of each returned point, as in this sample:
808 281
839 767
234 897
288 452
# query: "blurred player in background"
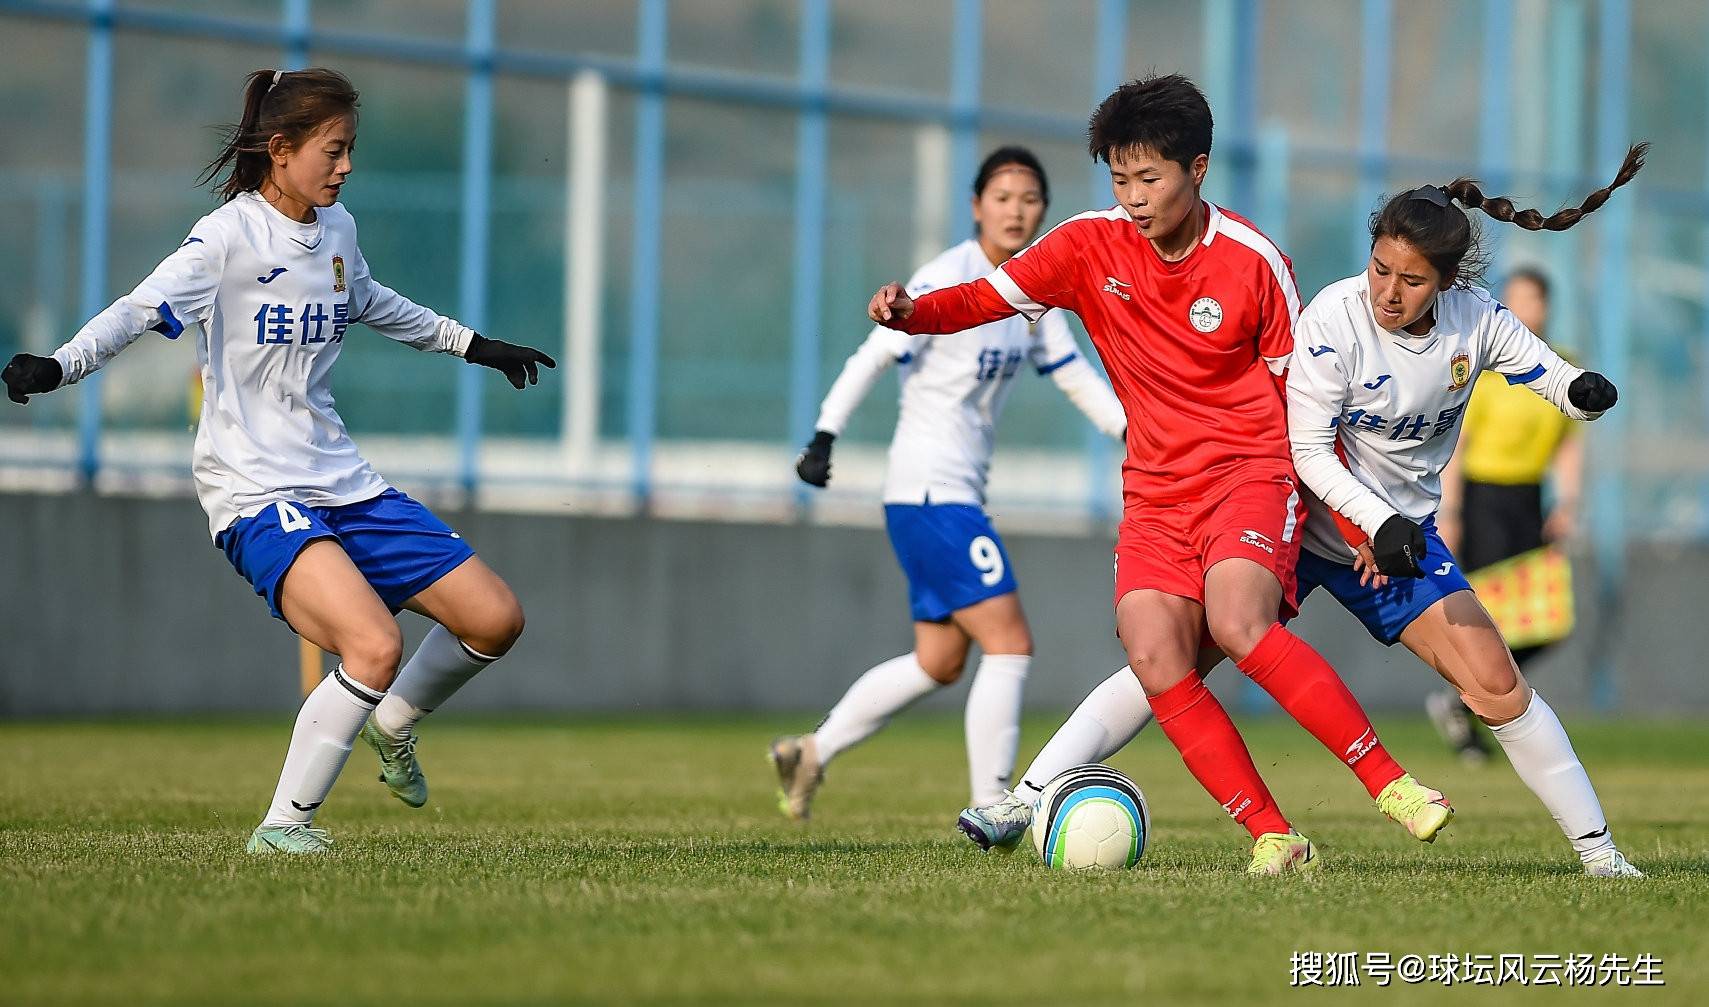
961 586
271 280
1511 442
1192 311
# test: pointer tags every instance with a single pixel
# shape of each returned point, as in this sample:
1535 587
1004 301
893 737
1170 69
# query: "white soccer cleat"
1612 864
997 826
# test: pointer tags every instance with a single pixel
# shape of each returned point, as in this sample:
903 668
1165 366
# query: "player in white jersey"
961 586
270 283
1384 366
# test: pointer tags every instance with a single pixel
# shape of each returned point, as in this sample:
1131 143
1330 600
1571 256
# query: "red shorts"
1169 547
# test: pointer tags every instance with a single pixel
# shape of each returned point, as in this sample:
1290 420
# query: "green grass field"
643 861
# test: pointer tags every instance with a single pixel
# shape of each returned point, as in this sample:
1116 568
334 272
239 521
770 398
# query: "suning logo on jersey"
338 274
1205 314
1114 287
1459 372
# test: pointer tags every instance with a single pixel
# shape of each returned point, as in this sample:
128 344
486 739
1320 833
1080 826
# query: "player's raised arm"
179 291
397 317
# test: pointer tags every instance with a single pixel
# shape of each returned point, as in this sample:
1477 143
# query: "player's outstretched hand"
28 375
518 363
1399 548
1593 393
891 303
814 463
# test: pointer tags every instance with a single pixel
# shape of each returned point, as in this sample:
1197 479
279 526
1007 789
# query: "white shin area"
1543 756
1102 725
875 697
993 724
320 743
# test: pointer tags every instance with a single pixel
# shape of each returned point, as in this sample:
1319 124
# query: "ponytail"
293 104
1467 192
1427 219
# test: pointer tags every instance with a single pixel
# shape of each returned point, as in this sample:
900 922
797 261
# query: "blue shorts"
397 544
1388 611
951 555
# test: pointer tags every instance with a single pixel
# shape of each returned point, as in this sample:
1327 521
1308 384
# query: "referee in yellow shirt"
1492 492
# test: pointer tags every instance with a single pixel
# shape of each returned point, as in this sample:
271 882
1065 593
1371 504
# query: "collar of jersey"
306 235
1213 220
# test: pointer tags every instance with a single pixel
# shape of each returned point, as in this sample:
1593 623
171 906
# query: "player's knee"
1236 633
372 654
1016 639
1508 700
944 669
1155 671
499 631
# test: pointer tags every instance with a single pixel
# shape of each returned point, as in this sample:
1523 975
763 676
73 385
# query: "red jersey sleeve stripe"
1249 236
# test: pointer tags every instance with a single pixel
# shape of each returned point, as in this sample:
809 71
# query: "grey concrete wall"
117 605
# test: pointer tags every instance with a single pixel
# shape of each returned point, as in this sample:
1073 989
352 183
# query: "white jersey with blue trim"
1374 415
270 300
954 387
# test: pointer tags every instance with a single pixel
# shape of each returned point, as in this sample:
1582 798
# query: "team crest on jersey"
338 274
1459 372
1205 314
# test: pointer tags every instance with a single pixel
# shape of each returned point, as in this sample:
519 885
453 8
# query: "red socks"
1198 726
1299 679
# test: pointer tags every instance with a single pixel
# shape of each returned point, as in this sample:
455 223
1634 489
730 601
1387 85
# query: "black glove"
1398 548
29 375
814 464
1592 392
516 362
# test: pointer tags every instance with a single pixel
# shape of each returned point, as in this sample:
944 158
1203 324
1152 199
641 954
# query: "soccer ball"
1091 818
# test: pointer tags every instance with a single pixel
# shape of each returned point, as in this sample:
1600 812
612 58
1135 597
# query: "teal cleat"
294 838
997 826
399 770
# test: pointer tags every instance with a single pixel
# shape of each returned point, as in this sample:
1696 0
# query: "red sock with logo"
1198 726
1298 678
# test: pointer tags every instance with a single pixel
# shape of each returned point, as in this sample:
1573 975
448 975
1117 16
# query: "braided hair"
1426 219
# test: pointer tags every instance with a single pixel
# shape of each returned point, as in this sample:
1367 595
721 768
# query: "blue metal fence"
1263 160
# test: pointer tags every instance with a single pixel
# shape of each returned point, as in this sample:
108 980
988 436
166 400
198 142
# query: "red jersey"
1194 348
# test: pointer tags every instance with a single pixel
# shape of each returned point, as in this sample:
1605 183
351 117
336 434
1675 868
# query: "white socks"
326 729
993 722
1542 755
869 704
1099 727
441 665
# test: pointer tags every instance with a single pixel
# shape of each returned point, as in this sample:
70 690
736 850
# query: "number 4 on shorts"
290 518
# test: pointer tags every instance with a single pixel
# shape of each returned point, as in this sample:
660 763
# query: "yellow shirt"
1510 434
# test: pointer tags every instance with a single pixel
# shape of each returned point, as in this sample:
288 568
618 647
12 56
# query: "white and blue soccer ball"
1091 818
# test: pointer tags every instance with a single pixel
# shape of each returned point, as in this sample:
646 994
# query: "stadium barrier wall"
121 605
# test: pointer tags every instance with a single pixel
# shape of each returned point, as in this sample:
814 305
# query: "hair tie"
1430 194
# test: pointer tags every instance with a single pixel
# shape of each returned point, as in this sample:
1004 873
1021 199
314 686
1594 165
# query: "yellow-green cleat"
796 759
294 838
1418 809
399 770
1277 853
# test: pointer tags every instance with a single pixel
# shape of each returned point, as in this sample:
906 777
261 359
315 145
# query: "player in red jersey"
1192 311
